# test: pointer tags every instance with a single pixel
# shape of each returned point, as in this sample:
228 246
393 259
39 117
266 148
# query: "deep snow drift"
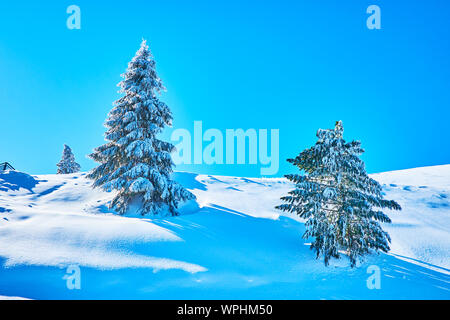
232 244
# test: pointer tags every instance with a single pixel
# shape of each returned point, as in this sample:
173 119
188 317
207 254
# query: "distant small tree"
67 163
338 199
134 162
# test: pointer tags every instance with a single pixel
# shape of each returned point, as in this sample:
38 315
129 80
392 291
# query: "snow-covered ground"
232 244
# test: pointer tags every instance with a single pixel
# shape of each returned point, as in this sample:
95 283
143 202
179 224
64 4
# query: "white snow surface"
230 243
422 229
12 298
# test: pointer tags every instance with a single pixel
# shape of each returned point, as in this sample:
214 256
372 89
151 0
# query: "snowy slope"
421 230
233 244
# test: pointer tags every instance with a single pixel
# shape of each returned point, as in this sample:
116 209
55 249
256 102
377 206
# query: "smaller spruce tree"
338 199
67 163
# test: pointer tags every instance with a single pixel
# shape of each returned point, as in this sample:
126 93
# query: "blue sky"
295 66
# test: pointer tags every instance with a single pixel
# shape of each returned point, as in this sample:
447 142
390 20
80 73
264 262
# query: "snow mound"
63 221
422 229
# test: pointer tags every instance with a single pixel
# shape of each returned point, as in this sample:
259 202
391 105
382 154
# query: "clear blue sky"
291 65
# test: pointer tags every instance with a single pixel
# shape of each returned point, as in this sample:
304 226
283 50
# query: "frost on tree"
339 201
134 161
67 163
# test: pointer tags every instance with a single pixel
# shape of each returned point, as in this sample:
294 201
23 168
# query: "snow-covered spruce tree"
133 161
67 163
338 199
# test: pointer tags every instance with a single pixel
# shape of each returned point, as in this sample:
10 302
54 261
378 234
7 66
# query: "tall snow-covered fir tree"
339 201
134 161
67 163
